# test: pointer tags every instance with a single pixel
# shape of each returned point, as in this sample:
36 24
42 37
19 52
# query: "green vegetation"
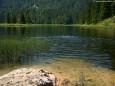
12 50
108 22
31 25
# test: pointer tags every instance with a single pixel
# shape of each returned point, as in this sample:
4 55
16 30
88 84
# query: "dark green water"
42 45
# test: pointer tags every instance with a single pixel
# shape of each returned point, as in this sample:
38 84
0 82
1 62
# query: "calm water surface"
43 45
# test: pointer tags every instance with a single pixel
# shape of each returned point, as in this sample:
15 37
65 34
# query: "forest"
55 11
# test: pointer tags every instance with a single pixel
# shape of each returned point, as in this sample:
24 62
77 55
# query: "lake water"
44 45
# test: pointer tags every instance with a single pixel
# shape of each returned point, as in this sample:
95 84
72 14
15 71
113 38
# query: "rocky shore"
65 72
28 77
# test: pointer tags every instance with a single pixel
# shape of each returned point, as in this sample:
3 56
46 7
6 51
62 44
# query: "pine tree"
113 9
8 17
22 19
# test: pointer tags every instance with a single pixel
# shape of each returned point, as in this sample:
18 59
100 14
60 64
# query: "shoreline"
74 25
76 71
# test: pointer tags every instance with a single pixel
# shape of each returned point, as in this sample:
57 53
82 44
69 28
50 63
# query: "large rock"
28 77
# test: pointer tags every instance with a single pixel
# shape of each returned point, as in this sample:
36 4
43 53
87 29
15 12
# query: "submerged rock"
28 77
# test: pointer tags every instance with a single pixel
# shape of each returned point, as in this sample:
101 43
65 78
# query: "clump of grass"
81 81
11 50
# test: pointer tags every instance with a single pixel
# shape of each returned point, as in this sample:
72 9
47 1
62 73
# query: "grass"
30 25
108 22
99 25
12 50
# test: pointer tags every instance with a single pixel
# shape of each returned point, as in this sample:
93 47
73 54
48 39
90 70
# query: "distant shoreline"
75 25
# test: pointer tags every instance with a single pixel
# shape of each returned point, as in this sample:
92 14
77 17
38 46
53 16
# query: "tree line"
97 12
93 13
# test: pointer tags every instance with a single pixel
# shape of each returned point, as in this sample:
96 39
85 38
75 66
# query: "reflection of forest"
56 31
109 48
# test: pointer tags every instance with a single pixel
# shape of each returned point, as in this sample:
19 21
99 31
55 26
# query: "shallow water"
93 45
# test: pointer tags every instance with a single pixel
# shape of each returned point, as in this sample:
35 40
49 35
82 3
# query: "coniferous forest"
55 11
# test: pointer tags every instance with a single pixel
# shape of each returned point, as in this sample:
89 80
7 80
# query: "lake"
45 44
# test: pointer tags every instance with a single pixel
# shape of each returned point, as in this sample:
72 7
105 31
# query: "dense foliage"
55 11
99 11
